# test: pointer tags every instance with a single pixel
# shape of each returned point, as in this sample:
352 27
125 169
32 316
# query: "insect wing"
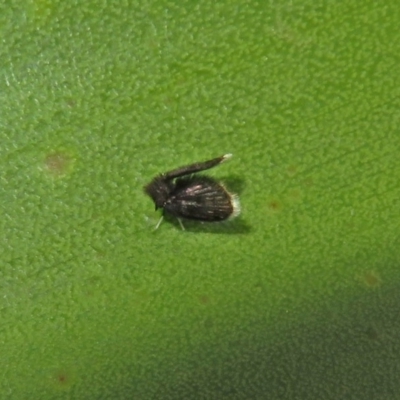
196 167
200 198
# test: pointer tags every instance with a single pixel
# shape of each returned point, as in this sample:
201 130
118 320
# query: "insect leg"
181 224
159 222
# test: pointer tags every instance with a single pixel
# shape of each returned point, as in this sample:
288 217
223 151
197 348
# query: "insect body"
196 197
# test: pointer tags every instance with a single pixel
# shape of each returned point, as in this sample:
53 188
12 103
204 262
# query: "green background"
296 299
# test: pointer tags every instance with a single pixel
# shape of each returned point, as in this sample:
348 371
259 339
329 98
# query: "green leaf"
297 298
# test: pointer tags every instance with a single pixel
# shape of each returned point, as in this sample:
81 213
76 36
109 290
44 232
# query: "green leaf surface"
297 298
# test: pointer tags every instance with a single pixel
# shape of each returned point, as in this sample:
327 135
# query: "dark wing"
196 167
201 198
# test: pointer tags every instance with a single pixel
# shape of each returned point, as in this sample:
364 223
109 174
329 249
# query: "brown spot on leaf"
58 163
63 379
275 205
371 279
204 299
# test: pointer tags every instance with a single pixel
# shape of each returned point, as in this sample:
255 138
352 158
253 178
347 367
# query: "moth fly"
195 197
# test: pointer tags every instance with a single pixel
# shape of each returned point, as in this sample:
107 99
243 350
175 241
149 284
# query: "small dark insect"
197 197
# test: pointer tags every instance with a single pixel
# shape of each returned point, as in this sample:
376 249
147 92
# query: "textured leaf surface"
296 299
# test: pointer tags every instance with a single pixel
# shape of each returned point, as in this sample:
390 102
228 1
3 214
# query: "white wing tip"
226 157
235 205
